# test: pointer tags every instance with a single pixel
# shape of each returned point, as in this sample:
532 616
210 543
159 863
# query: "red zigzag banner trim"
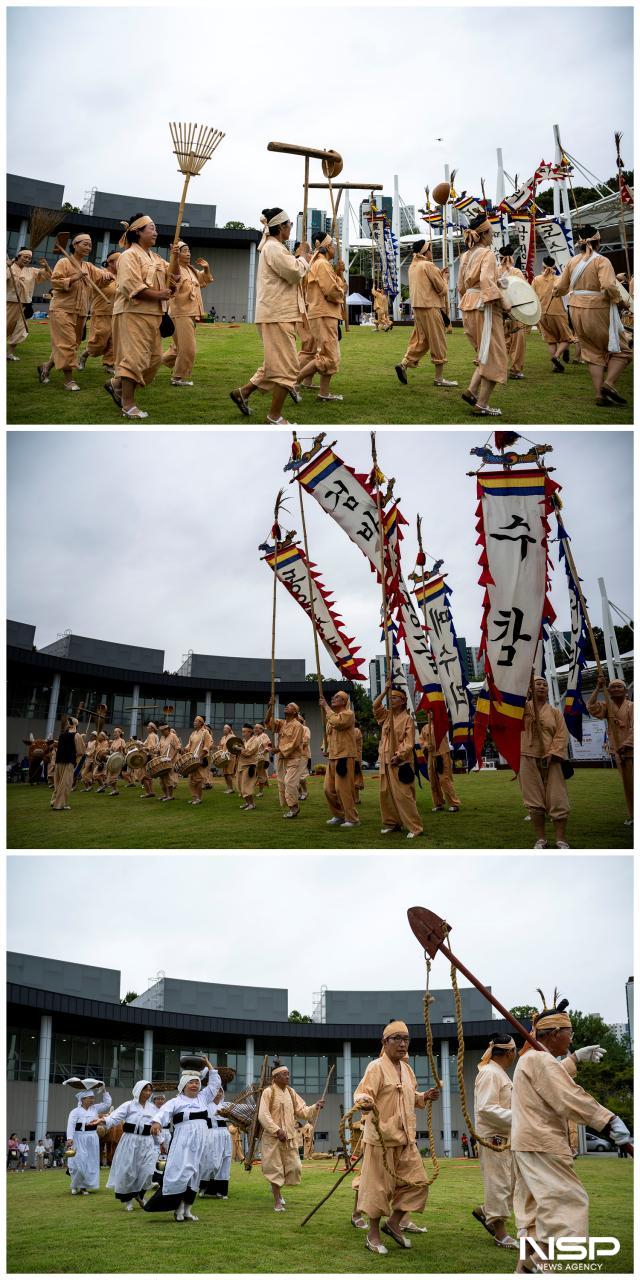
292 573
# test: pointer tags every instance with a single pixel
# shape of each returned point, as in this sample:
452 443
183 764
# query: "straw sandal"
42 376
134 413
115 395
374 1248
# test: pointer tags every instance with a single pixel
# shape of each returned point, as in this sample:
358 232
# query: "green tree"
611 1080
523 1012
234 226
583 195
296 1016
130 997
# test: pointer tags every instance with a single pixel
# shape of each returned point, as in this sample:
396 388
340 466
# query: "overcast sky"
394 90
518 922
151 538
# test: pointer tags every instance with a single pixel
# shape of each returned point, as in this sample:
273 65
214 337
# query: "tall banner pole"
385 614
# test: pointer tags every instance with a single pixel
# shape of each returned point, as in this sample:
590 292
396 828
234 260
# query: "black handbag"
28 310
567 768
251 771
341 767
439 764
167 327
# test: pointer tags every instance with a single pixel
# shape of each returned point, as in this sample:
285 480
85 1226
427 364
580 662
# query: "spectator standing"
39 1152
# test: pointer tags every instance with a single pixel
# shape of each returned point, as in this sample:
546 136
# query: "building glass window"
22 1053
28 701
117 1062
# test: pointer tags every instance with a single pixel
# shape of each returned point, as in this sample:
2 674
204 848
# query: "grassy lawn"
244 1235
228 356
491 817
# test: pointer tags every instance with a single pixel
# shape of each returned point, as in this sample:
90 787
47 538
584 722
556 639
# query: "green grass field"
228 356
491 817
49 1231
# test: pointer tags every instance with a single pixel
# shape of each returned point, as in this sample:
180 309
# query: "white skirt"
133 1164
218 1154
188 1157
85 1165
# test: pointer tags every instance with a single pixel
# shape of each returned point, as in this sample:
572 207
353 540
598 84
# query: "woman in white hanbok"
84 1167
135 1157
188 1158
216 1180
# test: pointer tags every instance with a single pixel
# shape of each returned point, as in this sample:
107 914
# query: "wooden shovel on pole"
432 934
254 1131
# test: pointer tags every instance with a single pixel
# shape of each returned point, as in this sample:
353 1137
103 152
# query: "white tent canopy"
357 300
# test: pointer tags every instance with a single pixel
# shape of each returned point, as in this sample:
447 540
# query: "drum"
136 757
159 766
525 303
220 760
115 762
186 763
102 755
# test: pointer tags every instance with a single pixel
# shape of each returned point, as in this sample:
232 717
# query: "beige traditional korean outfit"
325 294
248 767
620 730
87 768
542 782
589 303
279 1109
200 743
359 776
288 757
279 308
516 333
101 329
70 307
398 806
441 783
492 1105
342 751
381 309
428 294
553 321
479 293
136 322
395 1095
169 747
304 760
21 282
186 310
231 768
544 1100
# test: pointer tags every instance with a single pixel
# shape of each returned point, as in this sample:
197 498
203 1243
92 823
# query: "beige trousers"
340 793
65 328
62 784
16 328
101 338
496 364
554 329
138 346
247 784
591 327
180 355
288 773
498 1178
624 766
555 1199
398 806
325 333
442 786
544 790
307 341
405 1187
428 336
281 364
516 348
280 1161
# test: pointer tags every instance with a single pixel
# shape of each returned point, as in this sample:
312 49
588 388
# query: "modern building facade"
135 687
67 1019
231 254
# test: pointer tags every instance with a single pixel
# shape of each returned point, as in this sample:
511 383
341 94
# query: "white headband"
186 1077
276 221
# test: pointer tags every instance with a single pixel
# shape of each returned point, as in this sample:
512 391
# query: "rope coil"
460 1070
342 1128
